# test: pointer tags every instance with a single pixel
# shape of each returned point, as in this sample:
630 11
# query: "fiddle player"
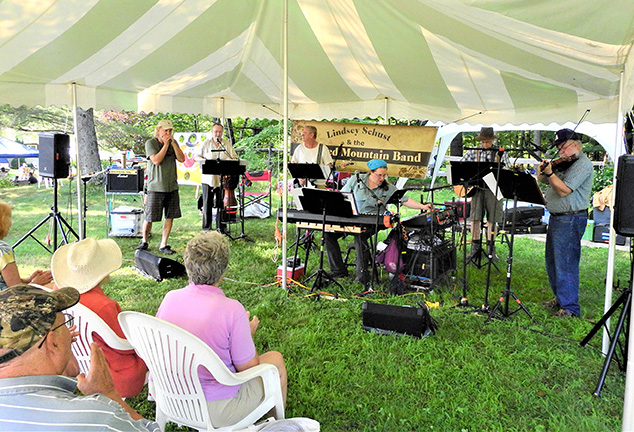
567 197
312 151
162 186
483 201
366 188
213 191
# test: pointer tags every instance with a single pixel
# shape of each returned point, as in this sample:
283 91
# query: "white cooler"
126 222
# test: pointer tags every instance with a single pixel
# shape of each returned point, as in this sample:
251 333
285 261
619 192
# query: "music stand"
324 202
466 174
516 185
308 171
227 167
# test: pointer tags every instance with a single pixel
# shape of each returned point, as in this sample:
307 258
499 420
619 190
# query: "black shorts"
159 201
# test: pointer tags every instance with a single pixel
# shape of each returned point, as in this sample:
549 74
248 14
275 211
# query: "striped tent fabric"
479 61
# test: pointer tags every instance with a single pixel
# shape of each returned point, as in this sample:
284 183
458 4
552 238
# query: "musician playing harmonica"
371 192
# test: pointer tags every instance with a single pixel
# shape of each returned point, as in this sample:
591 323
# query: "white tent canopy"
451 61
443 60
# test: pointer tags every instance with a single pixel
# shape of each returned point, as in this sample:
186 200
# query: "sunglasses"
68 322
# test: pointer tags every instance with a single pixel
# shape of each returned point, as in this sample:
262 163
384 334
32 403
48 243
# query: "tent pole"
609 278
80 213
628 399
286 141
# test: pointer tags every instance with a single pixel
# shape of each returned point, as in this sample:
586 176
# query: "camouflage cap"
27 313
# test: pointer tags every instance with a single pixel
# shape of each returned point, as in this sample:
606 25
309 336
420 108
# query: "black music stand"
470 174
308 171
227 167
516 185
324 202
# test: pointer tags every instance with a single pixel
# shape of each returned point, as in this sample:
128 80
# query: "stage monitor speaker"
157 267
125 180
54 160
624 205
388 319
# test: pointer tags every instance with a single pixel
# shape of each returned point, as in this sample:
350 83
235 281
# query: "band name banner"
406 149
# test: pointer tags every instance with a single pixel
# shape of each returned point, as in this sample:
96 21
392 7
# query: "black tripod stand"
625 300
512 184
58 222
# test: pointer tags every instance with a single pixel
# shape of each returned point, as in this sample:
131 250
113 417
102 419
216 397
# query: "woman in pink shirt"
203 309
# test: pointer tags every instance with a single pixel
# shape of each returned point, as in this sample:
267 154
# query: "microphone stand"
376 232
334 165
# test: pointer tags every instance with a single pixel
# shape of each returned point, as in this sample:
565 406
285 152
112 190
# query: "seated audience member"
9 273
371 193
203 309
38 370
87 265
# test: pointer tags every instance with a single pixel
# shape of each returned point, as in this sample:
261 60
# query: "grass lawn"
510 375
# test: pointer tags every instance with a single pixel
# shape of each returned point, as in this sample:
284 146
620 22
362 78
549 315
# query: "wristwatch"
548 175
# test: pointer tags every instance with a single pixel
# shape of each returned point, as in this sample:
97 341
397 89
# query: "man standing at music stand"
214 148
483 200
311 151
371 193
162 186
567 199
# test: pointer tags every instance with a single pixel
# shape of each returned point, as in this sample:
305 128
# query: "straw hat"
86 263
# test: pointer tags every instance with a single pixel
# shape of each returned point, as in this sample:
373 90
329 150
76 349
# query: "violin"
563 163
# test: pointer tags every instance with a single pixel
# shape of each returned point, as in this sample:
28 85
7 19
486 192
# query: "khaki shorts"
230 411
490 204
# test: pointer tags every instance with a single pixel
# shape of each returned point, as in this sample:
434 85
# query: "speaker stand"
58 222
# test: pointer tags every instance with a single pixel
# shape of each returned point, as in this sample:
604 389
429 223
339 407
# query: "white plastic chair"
173 356
87 323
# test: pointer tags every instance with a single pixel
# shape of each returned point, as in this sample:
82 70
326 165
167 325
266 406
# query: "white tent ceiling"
442 60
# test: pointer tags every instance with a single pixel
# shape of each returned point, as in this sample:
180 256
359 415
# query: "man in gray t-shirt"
567 200
162 188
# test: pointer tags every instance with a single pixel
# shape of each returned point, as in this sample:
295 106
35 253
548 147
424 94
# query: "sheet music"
489 179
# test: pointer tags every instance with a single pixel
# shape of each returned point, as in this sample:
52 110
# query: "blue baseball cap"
376 163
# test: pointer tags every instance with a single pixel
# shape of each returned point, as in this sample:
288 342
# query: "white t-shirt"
306 155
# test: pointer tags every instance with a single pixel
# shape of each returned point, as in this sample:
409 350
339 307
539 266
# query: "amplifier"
387 319
125 180
157 267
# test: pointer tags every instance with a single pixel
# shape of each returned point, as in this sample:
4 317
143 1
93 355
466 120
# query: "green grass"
509 375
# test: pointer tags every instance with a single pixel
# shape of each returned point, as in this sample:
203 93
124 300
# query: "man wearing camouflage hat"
37 369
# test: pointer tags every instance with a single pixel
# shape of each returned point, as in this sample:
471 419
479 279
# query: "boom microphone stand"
58 223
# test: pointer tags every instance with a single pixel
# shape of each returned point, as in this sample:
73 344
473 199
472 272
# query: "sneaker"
142 246
167 250
552 303
563 313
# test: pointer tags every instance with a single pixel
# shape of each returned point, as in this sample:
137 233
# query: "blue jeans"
563 253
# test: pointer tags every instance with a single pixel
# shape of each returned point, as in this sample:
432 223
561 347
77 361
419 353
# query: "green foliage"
269 138
507 375
603 177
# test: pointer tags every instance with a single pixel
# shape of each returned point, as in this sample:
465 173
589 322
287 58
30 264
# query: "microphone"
218 140
339 150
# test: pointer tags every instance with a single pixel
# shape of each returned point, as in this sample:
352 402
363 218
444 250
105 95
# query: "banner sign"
406 149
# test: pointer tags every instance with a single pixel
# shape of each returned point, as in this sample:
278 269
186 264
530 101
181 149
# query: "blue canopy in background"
12 149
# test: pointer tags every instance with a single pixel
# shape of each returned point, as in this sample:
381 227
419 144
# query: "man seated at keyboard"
371 192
